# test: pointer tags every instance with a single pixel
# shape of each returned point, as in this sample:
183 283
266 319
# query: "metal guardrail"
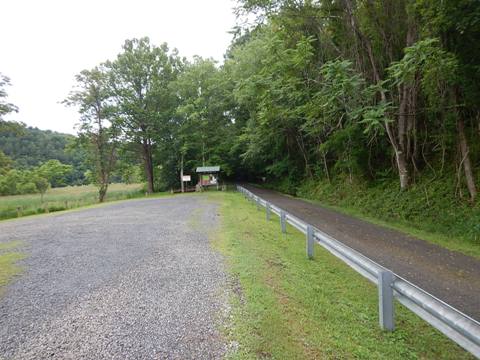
459 327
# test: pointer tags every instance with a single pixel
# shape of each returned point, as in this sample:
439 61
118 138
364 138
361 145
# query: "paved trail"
130 280
449 275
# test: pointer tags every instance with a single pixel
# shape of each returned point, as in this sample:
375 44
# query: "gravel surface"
129 280
449 275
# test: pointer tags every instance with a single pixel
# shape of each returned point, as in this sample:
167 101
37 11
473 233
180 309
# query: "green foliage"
99 129
29 147
140 77
438 69
16 182
41 184
430 206
39 179
54 172
203 130
5 163
5 107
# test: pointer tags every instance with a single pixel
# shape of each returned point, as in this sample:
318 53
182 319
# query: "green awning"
208 169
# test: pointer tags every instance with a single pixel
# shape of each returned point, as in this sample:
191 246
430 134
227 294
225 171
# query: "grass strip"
287 307
9 258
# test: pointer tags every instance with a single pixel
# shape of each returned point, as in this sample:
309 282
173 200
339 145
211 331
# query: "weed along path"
130 280
450 276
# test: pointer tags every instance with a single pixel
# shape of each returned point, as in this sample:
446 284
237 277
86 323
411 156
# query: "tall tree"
203 121
98 131
140 78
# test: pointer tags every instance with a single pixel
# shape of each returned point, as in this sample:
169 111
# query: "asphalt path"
129 280
451 276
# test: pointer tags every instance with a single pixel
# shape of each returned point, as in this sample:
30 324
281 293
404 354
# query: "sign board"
186 178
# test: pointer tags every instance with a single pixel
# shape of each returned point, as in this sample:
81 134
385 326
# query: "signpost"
183 179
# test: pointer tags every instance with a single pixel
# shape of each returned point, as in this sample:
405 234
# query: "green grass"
62 199
9 256
287 307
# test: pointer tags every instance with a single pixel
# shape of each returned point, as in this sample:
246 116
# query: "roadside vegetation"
428 211
9 256
64 198
287 307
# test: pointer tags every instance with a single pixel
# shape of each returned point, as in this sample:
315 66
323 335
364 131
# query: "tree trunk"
467 165
402 169
401 151
399 154
102 192
148 165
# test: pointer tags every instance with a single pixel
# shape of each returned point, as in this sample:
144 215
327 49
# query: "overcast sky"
45 43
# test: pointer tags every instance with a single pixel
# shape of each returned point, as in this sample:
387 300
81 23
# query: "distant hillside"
32 146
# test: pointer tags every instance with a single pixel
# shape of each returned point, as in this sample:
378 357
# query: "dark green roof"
208 169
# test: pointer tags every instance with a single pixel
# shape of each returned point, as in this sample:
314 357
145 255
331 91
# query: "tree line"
33 160
340 90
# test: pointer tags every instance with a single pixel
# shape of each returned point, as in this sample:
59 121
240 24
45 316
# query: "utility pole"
181 174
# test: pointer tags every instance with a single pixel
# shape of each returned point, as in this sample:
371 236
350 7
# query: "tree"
5 163
203 128
41 185
98 132
55 172
140 78
6 107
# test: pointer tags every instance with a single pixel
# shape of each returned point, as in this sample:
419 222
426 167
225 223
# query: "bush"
428 205
26 188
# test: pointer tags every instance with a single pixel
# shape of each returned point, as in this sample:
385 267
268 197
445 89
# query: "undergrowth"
429 209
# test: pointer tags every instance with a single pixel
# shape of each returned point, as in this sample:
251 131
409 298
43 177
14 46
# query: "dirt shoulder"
449 275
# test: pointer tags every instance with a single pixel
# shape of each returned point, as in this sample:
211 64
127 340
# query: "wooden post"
181 175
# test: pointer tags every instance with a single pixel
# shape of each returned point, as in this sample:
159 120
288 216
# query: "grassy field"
287 307
62 199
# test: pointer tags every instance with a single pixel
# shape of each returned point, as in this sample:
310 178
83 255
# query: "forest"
369 104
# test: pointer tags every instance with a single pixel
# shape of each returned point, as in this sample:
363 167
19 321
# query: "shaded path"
129 280
450 276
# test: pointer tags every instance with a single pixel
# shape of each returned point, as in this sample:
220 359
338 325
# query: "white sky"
45 43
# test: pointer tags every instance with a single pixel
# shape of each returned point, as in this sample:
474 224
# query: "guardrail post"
257 200
310 241
267 208
283 221
385 300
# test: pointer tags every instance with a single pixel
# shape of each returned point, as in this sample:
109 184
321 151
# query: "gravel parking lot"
129 280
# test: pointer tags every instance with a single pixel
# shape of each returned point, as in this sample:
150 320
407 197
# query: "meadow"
64 198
